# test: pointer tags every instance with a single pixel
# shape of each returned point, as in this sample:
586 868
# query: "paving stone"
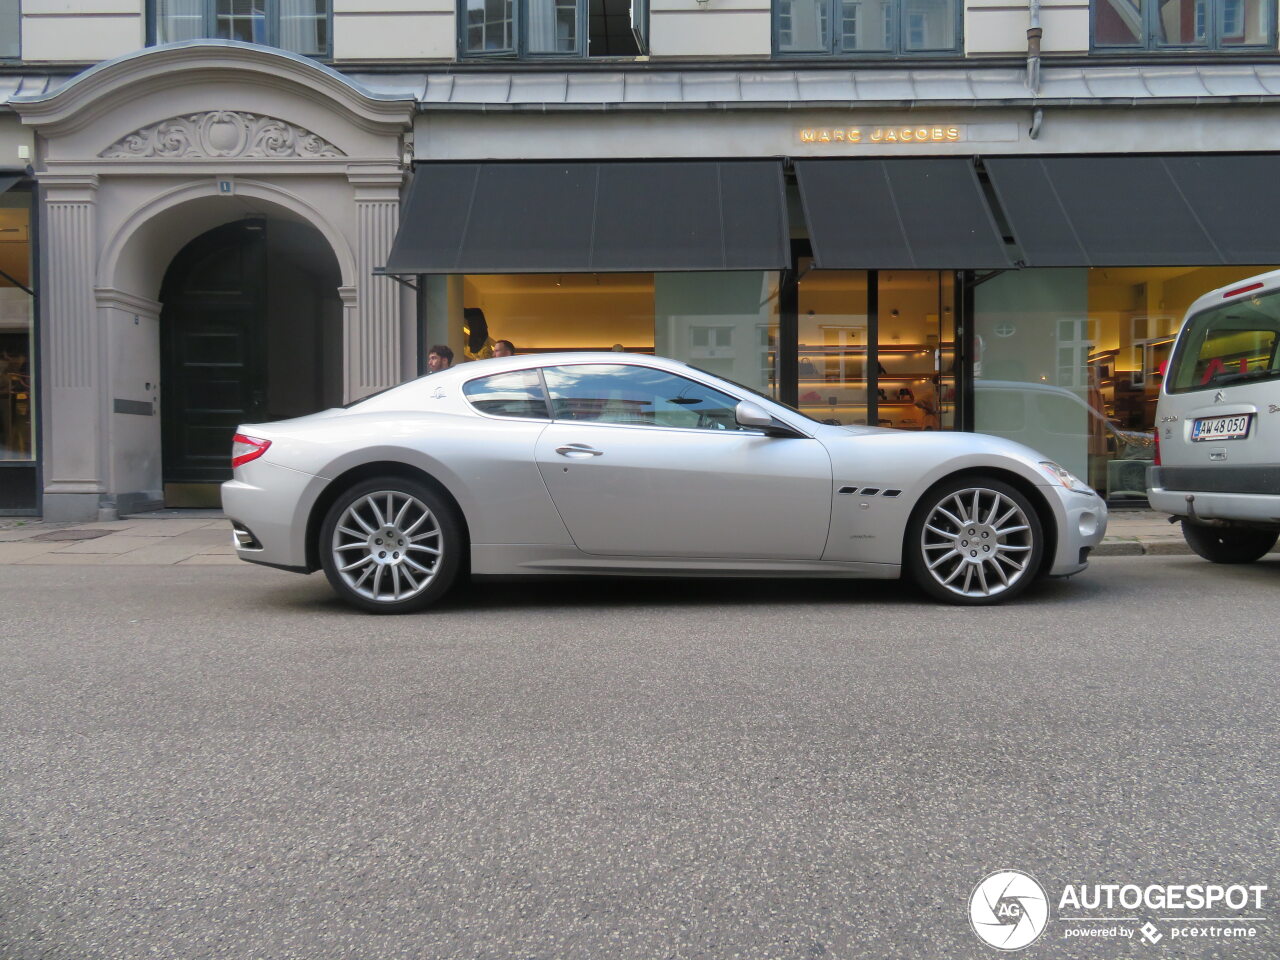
211 559
115 543
17 552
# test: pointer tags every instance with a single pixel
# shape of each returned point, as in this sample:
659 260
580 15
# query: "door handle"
578 451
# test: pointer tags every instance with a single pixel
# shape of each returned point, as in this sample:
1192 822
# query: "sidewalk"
170 537
204 537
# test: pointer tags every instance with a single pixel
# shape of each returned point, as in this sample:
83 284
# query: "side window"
516 394
617 393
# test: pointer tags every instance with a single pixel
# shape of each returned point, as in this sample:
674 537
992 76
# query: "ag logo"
1008 910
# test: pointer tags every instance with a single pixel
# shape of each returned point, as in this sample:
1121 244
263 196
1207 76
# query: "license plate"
1221 428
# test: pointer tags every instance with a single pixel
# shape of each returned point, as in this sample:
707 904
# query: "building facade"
919 213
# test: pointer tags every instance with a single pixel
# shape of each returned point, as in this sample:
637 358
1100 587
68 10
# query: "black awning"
593 217
899 214
7 180
1191 210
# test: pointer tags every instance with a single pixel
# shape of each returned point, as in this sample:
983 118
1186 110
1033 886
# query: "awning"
593 217
1189 210
7 180
899 214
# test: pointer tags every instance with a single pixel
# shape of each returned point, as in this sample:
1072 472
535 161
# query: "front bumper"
268 506
1082 523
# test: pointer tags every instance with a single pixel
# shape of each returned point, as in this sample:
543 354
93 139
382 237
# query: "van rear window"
1233 343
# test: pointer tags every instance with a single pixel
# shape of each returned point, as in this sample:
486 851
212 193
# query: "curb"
1138 548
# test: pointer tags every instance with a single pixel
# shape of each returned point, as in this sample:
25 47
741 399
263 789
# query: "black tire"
399 522
1228 544
991 559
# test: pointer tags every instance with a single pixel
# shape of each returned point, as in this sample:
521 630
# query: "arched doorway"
250 331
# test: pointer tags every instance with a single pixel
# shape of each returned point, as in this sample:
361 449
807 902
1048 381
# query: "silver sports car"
608 463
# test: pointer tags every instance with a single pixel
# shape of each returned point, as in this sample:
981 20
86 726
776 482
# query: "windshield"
753 390
1233 343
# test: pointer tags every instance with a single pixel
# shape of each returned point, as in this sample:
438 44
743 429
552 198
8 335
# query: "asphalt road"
223 762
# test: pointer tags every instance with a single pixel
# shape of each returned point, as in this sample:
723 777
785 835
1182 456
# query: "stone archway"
144 153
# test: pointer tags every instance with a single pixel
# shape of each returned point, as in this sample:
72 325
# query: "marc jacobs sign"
913 134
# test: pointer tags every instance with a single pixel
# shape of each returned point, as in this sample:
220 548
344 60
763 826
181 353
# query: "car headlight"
1065 477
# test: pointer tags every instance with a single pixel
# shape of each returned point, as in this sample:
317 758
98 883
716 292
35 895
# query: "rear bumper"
268 506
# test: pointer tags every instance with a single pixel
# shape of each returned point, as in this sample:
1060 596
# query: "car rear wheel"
974 541
1228 544
391 545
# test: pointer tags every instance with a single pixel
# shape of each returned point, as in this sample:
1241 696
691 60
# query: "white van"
1218 424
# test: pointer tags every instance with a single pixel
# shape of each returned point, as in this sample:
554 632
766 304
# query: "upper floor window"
1182 24
554 28
10 29
884 27
299 26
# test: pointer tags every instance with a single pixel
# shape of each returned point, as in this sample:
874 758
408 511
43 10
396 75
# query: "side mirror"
753 415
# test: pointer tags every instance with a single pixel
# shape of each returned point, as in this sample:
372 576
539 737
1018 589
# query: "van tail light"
1245 289
1157 444
246 449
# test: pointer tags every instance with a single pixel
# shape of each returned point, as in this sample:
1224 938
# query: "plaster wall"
84 31
13 135
768 133
721 28
394 30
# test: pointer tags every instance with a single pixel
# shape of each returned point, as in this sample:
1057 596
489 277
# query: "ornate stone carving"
221 134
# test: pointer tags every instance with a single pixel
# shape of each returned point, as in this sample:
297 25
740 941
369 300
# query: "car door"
644 462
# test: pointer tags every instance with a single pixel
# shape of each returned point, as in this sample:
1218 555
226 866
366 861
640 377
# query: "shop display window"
1070 362
17 407
723 322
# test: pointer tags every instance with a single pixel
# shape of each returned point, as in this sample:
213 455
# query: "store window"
1070 362
299 26
553 28
10 30
723 322
879 27
1126 25
17 324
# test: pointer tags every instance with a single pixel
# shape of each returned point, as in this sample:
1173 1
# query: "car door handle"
578 451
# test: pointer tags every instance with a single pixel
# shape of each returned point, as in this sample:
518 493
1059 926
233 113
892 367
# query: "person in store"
439 357
504 348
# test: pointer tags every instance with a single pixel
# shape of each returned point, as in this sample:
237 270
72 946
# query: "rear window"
1233 343
515 394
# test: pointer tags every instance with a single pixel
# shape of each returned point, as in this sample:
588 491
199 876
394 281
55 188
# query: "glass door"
916 348
877 347
834 322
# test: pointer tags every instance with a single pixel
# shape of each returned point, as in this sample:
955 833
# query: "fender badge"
1273 409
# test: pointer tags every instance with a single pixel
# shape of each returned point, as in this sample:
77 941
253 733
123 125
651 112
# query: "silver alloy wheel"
977 542
387 546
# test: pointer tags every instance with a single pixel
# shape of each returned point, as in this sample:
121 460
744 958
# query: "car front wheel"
1228 544
974 541
391 545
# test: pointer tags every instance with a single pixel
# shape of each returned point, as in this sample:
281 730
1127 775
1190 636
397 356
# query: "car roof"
480 368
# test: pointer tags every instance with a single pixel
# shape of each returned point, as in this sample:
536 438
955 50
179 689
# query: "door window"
622 393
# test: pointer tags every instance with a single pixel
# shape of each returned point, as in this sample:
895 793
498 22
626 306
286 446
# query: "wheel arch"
1044 512
366 471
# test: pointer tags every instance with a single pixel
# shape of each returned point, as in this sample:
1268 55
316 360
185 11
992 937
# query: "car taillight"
245 449
1157 444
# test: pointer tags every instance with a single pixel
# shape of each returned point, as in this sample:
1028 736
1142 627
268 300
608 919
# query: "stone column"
374 334
73 349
